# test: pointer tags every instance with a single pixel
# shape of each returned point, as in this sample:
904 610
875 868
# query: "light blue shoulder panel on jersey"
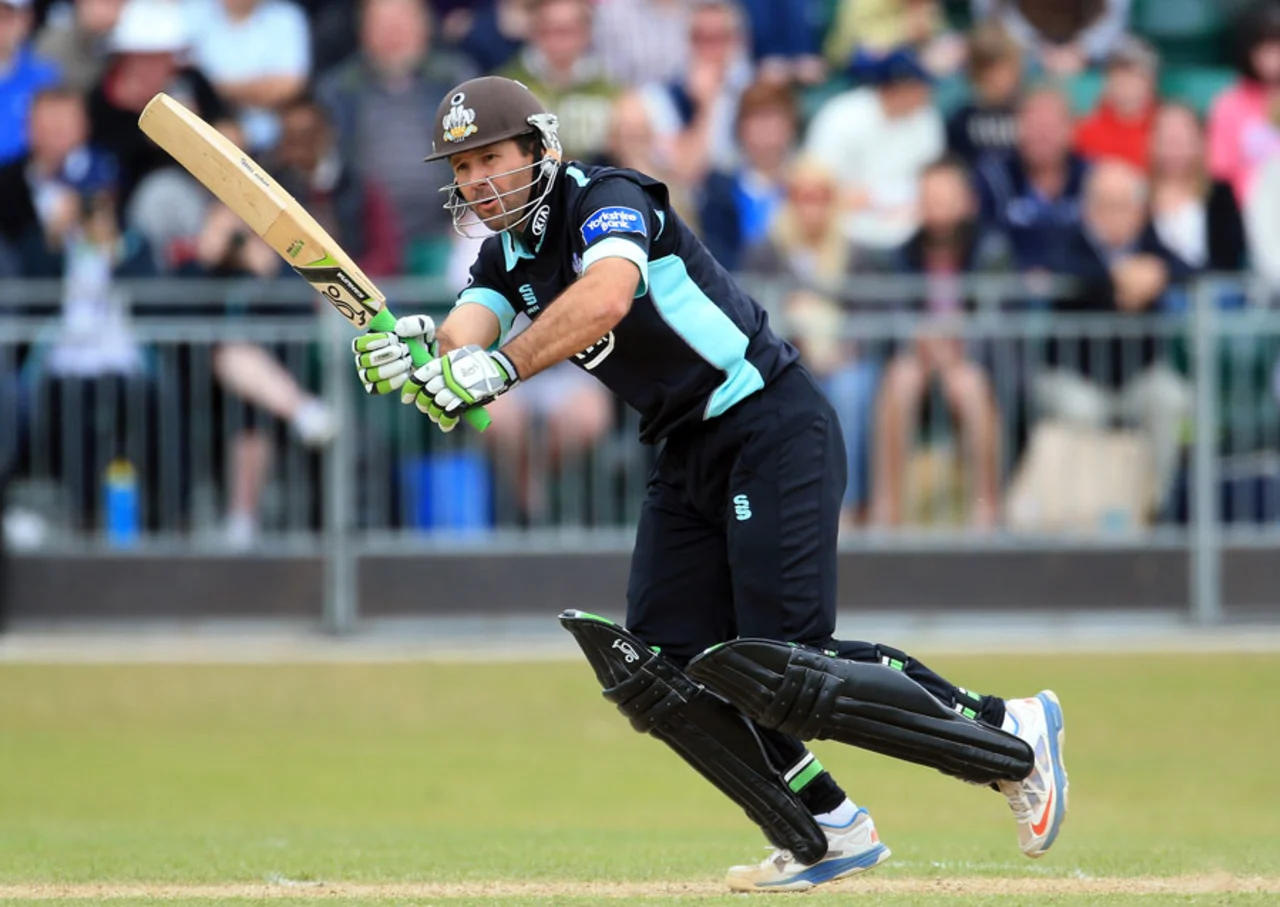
707 329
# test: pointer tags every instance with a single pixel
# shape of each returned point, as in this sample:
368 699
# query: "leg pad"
808 694
707 732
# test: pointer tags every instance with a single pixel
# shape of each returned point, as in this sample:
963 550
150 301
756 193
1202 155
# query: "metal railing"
160 460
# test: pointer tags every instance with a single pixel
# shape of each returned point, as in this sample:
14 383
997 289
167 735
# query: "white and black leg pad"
707 732
808 694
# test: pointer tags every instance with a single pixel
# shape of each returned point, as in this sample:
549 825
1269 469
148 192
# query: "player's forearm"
467 325
583 314
268 91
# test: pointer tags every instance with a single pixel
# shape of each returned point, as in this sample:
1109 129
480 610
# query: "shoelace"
1018 801
775 853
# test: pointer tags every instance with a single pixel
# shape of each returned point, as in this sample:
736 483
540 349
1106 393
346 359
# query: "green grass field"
513 784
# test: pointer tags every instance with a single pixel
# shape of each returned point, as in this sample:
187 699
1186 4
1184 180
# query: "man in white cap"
22 74
147 48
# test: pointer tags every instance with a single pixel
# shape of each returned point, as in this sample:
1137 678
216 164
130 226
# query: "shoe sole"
1057 740
827 871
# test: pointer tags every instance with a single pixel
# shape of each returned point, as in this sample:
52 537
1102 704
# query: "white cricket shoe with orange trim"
1039 801
851 848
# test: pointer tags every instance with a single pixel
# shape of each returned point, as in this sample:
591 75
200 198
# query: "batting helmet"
492 109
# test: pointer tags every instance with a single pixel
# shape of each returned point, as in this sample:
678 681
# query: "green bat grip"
385 321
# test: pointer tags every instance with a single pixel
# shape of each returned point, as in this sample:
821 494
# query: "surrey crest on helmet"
459 122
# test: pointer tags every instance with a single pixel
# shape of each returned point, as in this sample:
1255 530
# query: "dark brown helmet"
483 111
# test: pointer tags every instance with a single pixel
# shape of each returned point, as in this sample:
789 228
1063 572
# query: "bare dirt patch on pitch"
938 887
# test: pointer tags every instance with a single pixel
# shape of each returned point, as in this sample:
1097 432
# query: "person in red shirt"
1120 127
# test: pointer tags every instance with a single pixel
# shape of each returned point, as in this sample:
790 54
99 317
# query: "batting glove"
383 360
448 386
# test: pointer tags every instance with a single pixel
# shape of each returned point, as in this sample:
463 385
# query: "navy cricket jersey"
693 343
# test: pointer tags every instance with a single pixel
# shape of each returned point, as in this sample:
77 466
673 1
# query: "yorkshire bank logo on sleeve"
612 220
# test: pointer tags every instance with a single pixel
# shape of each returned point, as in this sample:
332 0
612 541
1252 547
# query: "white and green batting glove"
383 359
448 386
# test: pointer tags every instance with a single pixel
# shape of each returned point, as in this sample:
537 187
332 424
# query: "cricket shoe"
1038 801
851 848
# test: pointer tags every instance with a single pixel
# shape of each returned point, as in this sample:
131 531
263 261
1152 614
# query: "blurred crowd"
1125 144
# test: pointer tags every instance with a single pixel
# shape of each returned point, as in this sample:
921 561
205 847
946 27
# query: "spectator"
39 191
490 33
1121 125
804 242
79 43
89 384
808 254
878 139
1061 36
632 145
738 207
144 59
1243 133
22 74
784 41
1195 217
311 168
332 23
696 113
557 66
251 374
258 55
1032 194
642 41
878 27
1262 222
948 246
990 121
1124 271
380 104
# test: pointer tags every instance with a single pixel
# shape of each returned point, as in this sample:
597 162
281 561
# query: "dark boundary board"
52 588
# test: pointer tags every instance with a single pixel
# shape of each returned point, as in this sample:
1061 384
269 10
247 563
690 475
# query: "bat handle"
477 417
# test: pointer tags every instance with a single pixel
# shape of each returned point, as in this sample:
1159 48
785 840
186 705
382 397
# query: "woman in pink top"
1244 123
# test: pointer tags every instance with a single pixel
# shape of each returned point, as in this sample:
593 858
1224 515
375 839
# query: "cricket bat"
272 213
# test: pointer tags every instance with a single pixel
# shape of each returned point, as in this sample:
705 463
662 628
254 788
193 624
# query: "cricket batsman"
728 654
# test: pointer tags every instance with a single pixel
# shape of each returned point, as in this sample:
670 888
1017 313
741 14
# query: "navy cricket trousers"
737 536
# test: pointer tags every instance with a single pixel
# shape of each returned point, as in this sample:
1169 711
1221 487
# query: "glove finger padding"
398 352
366 343
417 381
384 386
385 378
442 403
436 415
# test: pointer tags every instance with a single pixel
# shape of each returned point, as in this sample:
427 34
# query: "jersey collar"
513 248
515 244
